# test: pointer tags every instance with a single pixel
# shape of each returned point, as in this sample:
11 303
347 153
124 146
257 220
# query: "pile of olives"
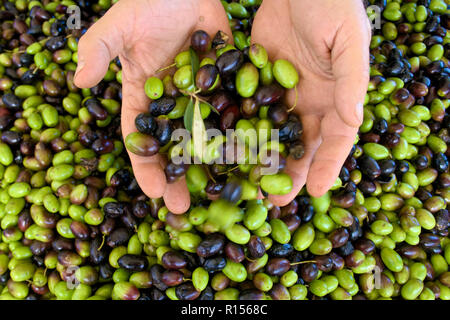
75 224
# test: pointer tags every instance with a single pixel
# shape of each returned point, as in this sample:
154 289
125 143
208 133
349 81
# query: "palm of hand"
147 35
317 38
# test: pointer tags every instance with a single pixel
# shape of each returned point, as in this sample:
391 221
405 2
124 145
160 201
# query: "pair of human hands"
326 40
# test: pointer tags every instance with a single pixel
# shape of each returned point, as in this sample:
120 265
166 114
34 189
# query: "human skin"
146 35
328 42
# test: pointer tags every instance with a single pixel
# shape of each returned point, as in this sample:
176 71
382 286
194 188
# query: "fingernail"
359 112
80 67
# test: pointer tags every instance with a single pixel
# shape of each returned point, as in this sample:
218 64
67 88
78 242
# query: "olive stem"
303 262
228 171
166 68
208 172
296 98
103 242
194 95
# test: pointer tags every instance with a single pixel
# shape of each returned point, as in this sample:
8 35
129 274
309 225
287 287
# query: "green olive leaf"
199 137
211 107
195 63
189 115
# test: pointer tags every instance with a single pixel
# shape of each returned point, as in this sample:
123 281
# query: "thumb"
350 58
98 46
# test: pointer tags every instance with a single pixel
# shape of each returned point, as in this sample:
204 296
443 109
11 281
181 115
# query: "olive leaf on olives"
195 62
189 115
198 131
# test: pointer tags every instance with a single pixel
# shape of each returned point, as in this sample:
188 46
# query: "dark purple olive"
344 199
279 292
103 146
53 89
121 177
214 264
232 192
409 251
145 123
267 95
118 237
364 245
280 250
55 43
206 77
229 118
309 272
156 272
346 249
355 230
201 41
251 294
11 101
278 266
80 230
24 220
229 62
141 209
440 162
256 247
278 114
39 248
96 109
369 167
370 137
157 295
234 252
387 167
215 188
442 219
292 222
174 171
324 263
428 240
107 226
11 137
187 291
162 106
338 261
290 131
133 263
418 89
249 108
172 278
221 100
173 260
106 271
339 237
212 245
98 251
58 27
114 209
164 131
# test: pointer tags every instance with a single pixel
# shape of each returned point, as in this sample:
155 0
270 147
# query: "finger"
147 170
350 60
99 45
337 141
176 197
298 169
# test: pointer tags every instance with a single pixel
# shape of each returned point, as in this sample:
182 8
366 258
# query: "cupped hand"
146 35
328 42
